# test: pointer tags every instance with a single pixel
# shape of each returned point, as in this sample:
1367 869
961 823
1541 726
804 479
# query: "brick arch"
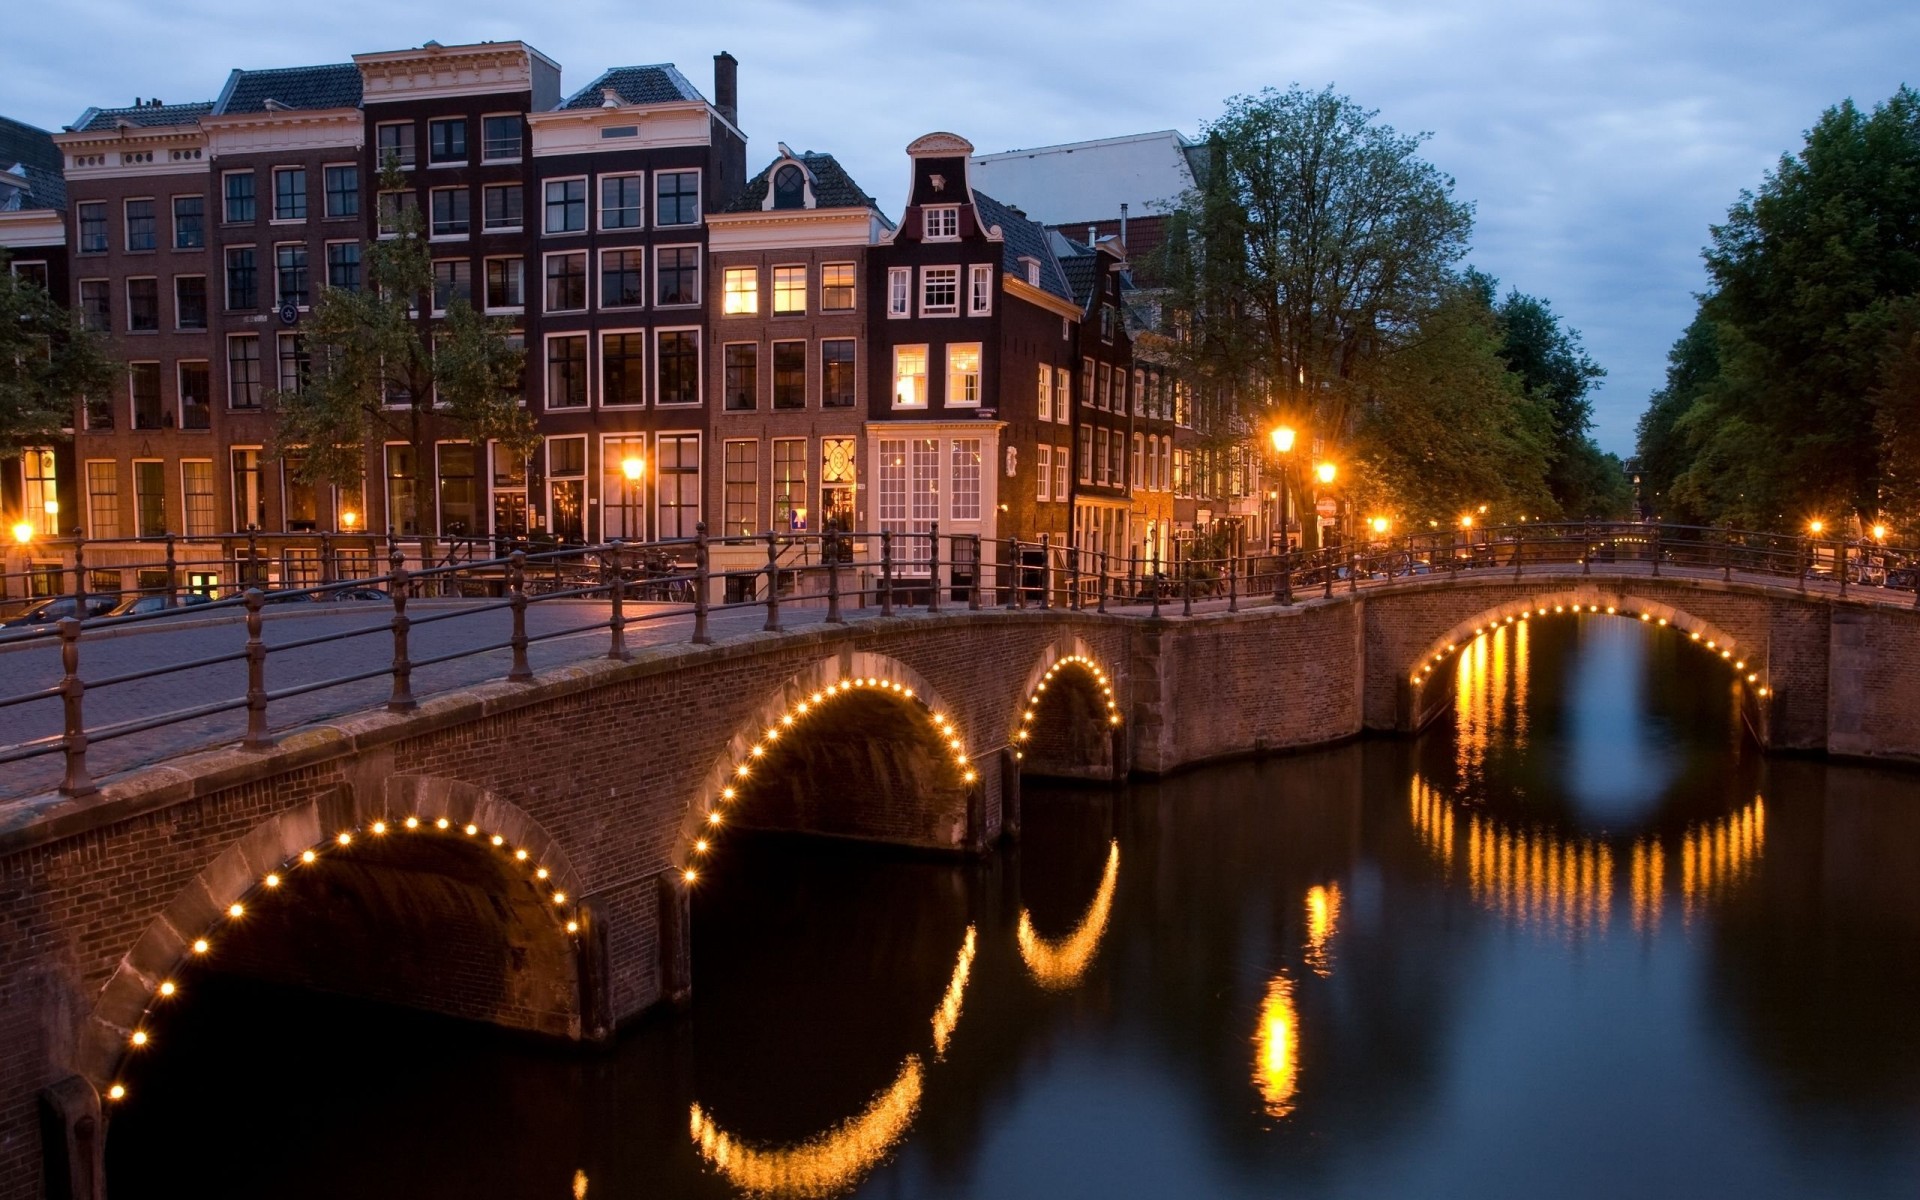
1080 743
1591 600
801 696
333 825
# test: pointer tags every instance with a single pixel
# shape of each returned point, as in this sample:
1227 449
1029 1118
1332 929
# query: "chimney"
1123 222
726 86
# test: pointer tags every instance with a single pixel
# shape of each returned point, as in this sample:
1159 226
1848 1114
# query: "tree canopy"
47 360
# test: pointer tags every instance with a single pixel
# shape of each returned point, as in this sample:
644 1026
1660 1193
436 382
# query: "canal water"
1579 940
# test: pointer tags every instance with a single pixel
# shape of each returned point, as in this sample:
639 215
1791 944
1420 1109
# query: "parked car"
356 593
287 596
58 608
140 606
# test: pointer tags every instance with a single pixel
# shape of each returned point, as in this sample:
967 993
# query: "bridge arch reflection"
1059 965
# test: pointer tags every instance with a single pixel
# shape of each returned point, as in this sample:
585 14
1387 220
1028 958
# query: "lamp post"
632 467
1282 438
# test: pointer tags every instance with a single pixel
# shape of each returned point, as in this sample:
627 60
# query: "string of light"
1724 651
1039 689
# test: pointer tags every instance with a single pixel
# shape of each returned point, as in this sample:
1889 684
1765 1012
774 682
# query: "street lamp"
348 519
1380 526
632 467
23 532
1816 527
1326 472
1282 437
1879 533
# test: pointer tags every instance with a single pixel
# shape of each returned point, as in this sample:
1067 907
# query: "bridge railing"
692 579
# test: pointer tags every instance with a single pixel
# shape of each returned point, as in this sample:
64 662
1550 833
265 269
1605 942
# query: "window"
29 271
567 282
500 138
459 490
789 483
452 212
189 301
1060 459
403 515
1139 393
189 222
676 272
742 488
939 291
103 500
566 371
249 496
740 291
1043 474
566 205
741 392
923 491
343 190
196 395
1139 457
500 203
979 290
909 376
893 485
1103 389
963 375
1046 395
838 460
93 226
447 141
899 291
789 291
678 477
1106 322
836 287
622 201
149 498
836 373
942 223
509 492
243 370
789 187
295 367
506 284
621 284
623 380
392 205
1032 266
143 305
1062 390
965 479
676 198
289 193
290 273
140 225
1100 457
394 140
1086 383
567 488
1117 457
196 492
676 359
239 196
1085 473
623 465
789 374
343 266
96 305
143 382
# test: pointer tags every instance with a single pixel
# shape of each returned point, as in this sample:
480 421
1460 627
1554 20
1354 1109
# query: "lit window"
1043 474
943 223
963 375
909 376
964 461
740 291
1045 398
789 290
836 287
939 291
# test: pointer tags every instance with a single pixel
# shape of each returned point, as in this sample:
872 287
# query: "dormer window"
789 187
942 223
1032 266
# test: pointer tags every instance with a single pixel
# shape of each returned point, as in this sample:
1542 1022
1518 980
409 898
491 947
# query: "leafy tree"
47 360
1554 367
383 370
1661 443
1896 419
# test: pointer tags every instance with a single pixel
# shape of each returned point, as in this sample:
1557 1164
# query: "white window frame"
486 301
727 291
773 293
980 290
600 215
586 215
1062 456
951 400
1139 457
699 276
1044 394
955 475
1043 465
326 252
700 474
173 218
358 192
380 158
699 366
853 273
899 293
600 275
489 187
599 386
484 118
893 397
699 197
586 286
926 278
276 275
126 292
458 258
227 370
213 498
452 162
940 223
586 366
273 185
126 222
449 190
727 444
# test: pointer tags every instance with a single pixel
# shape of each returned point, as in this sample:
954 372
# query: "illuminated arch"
146 981
1744 662
828 1163
1070 654
1059 965
786 712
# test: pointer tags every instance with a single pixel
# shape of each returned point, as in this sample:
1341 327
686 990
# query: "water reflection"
1276 1066
1060 965
825 1165
1323 921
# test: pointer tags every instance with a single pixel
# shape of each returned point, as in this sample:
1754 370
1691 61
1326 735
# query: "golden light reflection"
1276 1064
1057 965
823 1165
1539 879
579 1185
1323 921
1717 855
1433 822
1647 871
1490 695
948 1014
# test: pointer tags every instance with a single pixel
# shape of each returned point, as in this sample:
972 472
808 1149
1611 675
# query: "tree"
47 360
383 370
1661 442
1896 419
1313 246
1554 367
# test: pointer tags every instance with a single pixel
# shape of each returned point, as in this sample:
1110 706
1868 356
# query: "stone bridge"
521 853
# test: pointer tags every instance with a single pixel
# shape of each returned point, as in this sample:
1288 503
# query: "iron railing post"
1186 589
1073 578
173 571
773 585
73 743
701 571
326 559
973 592
1353 571
886 573
617 594
1010 570
1326 552
517 583
1656 551
256 738
830 553
1154 584
933 567
401 699
1233 587
1101 603
1046 571
80 579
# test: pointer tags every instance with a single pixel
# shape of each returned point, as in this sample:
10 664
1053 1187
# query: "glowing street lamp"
1816 527
1380 525
1466 522
348 519
1879 533
23 532
632 467
1282 439
1326 471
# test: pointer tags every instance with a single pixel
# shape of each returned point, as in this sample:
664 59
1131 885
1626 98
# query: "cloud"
1597 139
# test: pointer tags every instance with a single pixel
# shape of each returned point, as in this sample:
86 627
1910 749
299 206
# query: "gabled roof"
31 151
332 85
661 83
145 116
832 186
1023 239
